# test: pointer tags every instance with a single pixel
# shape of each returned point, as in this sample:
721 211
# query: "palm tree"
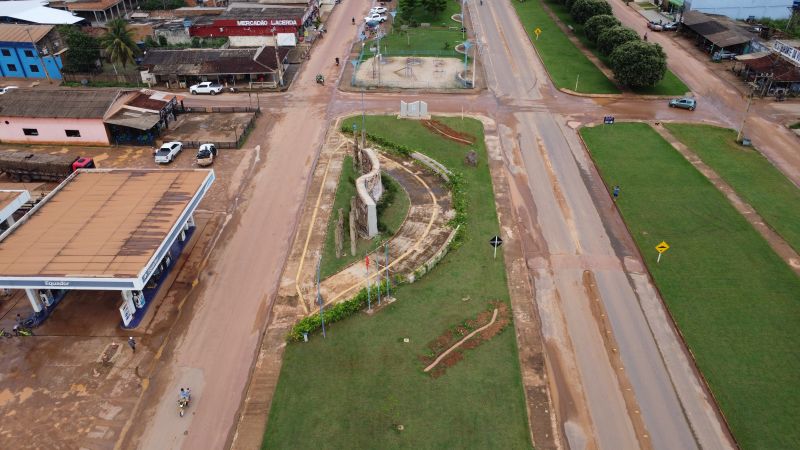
118 42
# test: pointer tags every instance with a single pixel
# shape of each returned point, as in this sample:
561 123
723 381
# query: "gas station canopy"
102 229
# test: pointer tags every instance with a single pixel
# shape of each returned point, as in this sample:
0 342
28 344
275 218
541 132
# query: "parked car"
206 87
655 26
723 54
168 152
669 26
378 10
206 155
6 89
685 103
375 17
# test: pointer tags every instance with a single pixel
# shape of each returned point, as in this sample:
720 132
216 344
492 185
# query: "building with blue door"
30 51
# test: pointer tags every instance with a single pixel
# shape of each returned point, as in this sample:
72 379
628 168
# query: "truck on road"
27 167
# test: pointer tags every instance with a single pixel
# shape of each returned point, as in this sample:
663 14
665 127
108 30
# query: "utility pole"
319 300
744 119
36 50
278 63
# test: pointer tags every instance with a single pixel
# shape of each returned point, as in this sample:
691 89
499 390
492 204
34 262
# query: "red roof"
781 69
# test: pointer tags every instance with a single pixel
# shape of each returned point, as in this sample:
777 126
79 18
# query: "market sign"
267 23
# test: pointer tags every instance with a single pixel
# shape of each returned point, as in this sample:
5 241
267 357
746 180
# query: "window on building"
30 131
29 53
73 133
12 67
6 52
34 68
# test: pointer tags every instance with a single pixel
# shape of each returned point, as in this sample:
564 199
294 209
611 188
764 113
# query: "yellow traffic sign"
662 247
537 32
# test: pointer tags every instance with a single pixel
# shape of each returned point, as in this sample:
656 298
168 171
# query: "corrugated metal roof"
33 11
715 29
61 103
211 61
23 33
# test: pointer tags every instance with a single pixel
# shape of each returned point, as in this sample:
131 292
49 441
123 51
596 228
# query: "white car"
168 152
6 89
378 10
375 17
206 87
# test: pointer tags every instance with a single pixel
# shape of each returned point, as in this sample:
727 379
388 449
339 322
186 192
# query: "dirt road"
215 344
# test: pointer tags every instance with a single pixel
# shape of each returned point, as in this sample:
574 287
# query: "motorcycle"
337 62
183 403
321 79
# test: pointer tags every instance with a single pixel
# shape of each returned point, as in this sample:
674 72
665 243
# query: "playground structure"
410 72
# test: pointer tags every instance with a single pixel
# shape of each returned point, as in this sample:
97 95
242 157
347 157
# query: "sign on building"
127 310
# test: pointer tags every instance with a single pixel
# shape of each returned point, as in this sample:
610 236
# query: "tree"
614 37
406 9
434 7
638 64
583 10
597 24
118 42
84 50
568 4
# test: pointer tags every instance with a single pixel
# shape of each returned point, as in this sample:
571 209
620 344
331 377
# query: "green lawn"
752 176
670 85
350 390
563 60
390 217
439 39
736 302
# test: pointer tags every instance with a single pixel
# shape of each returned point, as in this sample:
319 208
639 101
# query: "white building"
741 9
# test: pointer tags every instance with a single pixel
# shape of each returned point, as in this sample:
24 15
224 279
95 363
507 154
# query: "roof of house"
34 11
212 61
23 33
57 103
782 70
255 12
717 29
92 5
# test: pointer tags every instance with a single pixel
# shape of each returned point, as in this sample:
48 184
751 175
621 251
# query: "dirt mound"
452 336
442 129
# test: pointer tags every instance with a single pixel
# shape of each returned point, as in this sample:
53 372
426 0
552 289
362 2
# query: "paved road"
588 278
575 241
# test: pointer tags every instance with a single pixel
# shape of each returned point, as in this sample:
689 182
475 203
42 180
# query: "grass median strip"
734 300
354 388
564 62
670 85
753 177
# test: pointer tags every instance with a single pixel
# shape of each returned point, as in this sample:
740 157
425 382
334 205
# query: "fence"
217 109
240 139
103 78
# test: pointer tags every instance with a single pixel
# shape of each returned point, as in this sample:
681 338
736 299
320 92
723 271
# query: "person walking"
132 343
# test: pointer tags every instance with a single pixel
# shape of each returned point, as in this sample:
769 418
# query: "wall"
742 9
369 190
26 64
174 36
51 131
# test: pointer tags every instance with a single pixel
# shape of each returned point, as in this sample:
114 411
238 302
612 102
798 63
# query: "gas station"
102 230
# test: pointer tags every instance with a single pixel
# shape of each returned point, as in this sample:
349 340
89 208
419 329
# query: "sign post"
495 242
369 299
661 248
537 32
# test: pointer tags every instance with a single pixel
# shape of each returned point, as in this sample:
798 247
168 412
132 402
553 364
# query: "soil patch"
457 332
442 129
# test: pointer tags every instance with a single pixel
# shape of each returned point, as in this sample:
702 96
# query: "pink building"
60 117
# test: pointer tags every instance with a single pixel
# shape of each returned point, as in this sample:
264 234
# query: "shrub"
583 10
598 24
614 37
639 64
